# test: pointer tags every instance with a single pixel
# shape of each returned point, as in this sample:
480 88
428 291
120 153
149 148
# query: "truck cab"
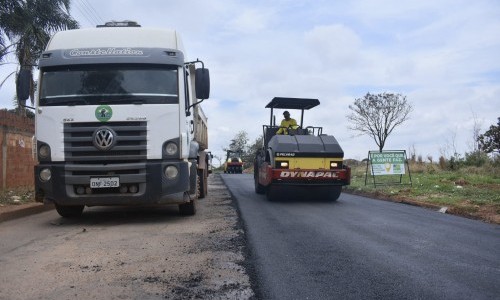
118 120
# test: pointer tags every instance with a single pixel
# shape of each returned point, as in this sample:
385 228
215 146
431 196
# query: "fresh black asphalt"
360 248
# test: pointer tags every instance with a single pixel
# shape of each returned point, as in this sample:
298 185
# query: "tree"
257 145
28 25
239 142
252 150
490 141
378 115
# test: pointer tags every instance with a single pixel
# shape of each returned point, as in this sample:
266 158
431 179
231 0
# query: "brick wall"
16 147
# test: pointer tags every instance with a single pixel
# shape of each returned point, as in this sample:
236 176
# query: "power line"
94 11
89 12
86 13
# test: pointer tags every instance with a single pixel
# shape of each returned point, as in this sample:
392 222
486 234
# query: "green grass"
468 191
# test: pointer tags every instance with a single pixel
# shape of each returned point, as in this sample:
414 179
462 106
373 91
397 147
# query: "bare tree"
219 159
378 115
476 129
450 146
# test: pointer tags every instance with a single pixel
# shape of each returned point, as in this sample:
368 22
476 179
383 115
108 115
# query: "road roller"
233 163
298 160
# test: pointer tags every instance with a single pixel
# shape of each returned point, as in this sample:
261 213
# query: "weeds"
17 196
471 191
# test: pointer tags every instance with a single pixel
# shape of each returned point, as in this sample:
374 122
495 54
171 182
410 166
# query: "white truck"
118 120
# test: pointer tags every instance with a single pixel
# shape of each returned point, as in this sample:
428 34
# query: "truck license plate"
104 182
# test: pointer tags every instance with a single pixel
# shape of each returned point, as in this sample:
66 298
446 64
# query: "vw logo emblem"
104 138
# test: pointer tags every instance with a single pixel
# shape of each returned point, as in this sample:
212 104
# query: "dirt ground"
106 256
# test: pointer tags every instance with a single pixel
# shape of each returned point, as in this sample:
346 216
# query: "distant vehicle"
118 120
304 160
233 163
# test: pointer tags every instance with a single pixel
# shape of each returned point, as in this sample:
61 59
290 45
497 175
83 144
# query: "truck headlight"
171 172
333 165
45 174
44 151
171 148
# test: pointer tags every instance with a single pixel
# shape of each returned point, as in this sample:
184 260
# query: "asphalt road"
360 248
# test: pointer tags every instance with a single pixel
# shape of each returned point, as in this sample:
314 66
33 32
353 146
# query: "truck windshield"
116 84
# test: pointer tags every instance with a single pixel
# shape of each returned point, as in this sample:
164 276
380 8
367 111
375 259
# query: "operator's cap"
286 112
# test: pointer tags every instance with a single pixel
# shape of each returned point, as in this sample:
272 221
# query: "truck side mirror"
23 84
202 82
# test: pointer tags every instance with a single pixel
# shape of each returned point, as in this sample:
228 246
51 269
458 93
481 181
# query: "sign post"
392 162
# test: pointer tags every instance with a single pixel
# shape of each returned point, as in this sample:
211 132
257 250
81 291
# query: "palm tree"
28 25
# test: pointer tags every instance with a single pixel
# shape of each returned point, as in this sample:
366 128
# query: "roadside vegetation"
17 196
467 185
459 186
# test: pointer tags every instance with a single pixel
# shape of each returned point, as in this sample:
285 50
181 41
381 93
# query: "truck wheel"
69 211
199 184
202 187
194 182
188 208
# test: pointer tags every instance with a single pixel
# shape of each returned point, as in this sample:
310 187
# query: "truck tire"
188 208
198 182
69 211
202 187
205 187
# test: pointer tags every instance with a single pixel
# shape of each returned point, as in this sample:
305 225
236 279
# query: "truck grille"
130 146
126 159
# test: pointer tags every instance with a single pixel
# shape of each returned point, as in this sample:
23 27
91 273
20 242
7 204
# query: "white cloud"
442 54
335 45
251 21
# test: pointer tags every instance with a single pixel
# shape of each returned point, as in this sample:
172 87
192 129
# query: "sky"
443 55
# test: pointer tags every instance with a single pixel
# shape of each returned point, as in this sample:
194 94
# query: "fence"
16 158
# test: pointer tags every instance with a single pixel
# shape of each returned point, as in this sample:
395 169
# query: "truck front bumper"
140 184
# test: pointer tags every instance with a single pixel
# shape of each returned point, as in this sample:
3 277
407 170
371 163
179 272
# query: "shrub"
431 168
476 158
442 162
455 162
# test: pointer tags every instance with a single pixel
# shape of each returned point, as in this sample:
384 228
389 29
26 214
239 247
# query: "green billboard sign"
387 162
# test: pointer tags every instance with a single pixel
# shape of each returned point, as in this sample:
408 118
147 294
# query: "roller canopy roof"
292 103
